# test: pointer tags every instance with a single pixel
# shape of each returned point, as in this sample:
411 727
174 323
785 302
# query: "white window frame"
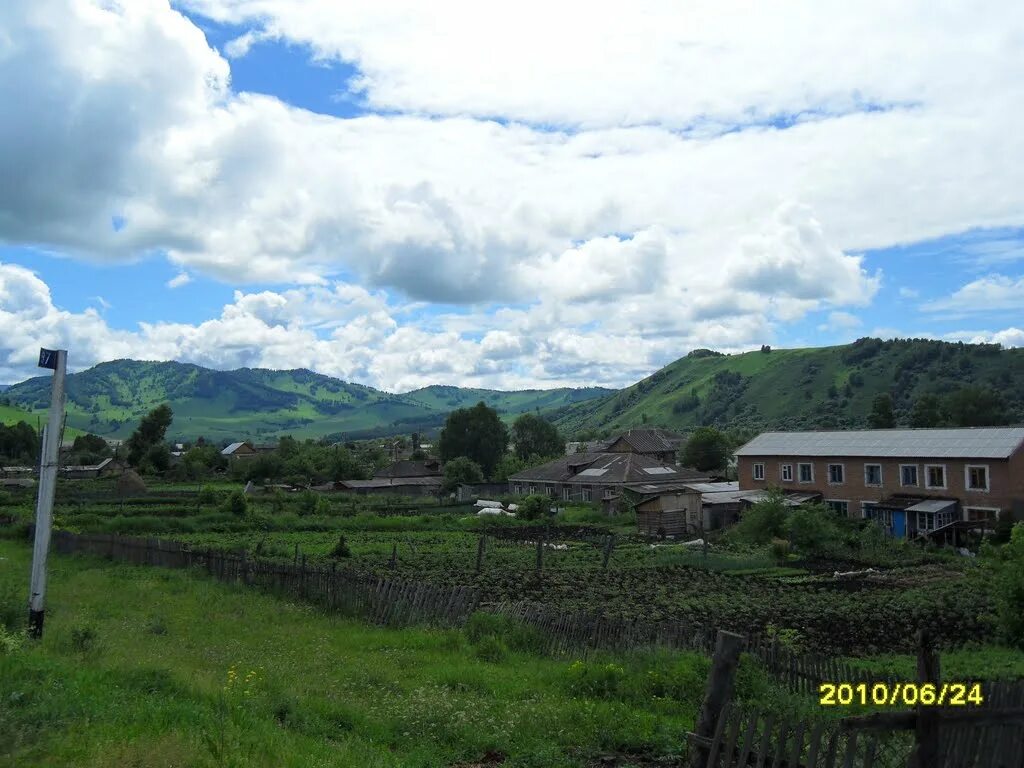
842 474
917 476
587 493
881 477
864 508
994 510
845 512
533 490
566 493
967 478
757 470
928 481
782 473
517 489
800 475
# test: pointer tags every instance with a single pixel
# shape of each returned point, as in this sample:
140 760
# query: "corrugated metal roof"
932 505
962 443
231 449
715 487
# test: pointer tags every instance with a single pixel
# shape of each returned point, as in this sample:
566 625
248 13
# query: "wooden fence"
988 735
385 601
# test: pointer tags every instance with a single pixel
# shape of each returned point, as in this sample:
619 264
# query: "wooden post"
717 693
480 547
393 563
608 547
302 577
296 562
926 749
540 553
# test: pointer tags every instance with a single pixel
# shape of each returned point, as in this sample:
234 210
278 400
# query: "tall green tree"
973 406
461 470
476 433
706 450
151 431
928 411
19 443
882 416
534 435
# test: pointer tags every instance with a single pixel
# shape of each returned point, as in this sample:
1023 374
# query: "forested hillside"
110 398
826 387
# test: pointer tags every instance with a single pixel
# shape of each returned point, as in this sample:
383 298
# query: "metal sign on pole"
56 360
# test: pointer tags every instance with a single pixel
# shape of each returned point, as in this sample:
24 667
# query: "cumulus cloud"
717 183
840 321
180 279
992 292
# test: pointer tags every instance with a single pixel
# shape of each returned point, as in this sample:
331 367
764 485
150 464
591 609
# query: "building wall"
1006 480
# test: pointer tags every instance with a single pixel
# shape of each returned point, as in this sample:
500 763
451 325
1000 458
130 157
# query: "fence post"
926 749
717 692
608 547
480 547
245 567
540 552
393 563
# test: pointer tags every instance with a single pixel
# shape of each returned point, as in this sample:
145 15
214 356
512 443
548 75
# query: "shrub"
207 495
340 549
813 529
10 640
780 550
534 507
235 504
1009 587
764 521
491 649
596 680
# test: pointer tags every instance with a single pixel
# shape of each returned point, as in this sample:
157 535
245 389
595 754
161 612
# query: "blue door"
899 523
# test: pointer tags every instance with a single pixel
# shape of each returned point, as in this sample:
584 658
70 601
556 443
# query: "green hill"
110 398
826 387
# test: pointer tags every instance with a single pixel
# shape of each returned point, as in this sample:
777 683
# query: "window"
533 489
835 474
586 493
981 513
517 489
977 477
867 508
806 472
552 491
872 474
787 473
839 507
759 471
567 493
934 475
908 474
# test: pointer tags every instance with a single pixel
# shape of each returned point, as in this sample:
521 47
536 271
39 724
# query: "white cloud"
599 252
909 293
180 279
986 294
1008 337
841 321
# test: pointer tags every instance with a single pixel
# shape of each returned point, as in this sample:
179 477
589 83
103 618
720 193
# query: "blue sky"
366 195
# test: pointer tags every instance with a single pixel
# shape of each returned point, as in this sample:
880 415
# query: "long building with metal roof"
913 481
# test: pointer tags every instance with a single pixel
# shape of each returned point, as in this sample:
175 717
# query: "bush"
813 529
780 550
764 521
490 649
1009 587
596 680
340 549
207 495
534 507
235 504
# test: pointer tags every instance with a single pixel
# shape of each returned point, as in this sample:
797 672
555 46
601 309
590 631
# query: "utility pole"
57 361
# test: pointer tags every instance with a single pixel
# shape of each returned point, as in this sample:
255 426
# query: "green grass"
134 661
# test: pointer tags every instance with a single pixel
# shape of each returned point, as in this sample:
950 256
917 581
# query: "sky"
505 195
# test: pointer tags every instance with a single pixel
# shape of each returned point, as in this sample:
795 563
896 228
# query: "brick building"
913 481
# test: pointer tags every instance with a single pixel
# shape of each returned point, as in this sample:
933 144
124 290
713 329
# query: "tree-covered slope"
826 387
110 398
444 398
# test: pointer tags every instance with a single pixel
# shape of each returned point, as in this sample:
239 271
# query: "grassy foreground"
150 667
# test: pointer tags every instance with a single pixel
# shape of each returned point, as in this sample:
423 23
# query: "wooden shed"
672 514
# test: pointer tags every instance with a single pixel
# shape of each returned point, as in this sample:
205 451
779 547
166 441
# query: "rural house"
601 476
405 477
912 481
656 443
239 451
